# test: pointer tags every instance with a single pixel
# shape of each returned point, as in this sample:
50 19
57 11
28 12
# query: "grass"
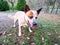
47 29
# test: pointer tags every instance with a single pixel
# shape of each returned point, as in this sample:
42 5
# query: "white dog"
26 19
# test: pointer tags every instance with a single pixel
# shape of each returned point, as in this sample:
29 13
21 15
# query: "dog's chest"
23 20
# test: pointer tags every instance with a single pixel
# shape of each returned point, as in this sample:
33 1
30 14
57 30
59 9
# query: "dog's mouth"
33 26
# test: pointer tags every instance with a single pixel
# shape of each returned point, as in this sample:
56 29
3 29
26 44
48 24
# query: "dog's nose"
34 23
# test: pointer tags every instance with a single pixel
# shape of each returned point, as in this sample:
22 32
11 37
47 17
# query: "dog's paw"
30 30
19 34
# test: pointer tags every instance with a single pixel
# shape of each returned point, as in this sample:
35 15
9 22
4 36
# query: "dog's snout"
34 23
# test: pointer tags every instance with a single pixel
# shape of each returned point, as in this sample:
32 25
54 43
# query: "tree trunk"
12 6
57 9
53 6
52 9
47 10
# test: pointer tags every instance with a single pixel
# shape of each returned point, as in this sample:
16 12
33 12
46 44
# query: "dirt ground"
5 22
53 17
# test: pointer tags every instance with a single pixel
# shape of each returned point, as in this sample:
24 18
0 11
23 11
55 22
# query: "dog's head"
32 17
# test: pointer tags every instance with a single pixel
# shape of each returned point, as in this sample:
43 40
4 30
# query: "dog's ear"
38 11
26 8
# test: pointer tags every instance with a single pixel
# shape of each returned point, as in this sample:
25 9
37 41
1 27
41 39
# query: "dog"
26 18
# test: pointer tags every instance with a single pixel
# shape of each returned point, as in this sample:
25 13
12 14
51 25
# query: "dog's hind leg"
14 22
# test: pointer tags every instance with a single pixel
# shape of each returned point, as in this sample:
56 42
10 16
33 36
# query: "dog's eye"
31 17
35 17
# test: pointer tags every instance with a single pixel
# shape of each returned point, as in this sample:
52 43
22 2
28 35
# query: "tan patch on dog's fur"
30 13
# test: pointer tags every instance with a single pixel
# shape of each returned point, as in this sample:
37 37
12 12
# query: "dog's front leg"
30 30
20 28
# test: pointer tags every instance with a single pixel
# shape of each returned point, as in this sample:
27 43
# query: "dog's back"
19 14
